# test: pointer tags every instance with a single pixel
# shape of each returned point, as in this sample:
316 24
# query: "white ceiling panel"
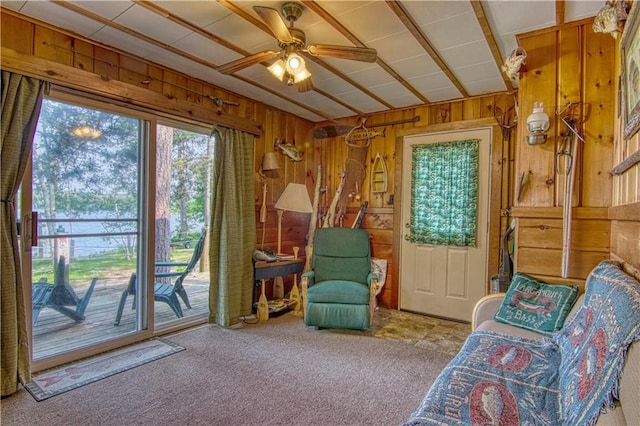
443 94
400 94
430 82
323 33
416 66
338 8
13 5
62 18
152 25
479 72
200 13
455 31
105 8
465 54
389 44
515 17
485 86
206 49
125 42
239 32
370 77
451 27
579 9
372 22
428 12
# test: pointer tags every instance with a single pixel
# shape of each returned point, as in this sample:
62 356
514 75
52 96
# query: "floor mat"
53 382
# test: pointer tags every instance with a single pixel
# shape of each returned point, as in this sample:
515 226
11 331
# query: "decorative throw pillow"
533 304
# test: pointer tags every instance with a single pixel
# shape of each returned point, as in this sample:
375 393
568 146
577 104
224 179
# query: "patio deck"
54 331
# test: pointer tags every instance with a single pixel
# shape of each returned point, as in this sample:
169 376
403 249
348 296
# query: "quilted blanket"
566 379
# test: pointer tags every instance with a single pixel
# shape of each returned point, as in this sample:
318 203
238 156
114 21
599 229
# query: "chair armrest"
167 264
311 276
308 279
486 308
372 277
168 274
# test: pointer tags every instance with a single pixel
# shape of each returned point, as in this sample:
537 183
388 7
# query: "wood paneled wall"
383 214
625 211
570 63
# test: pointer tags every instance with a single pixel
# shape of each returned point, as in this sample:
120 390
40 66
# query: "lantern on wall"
537 125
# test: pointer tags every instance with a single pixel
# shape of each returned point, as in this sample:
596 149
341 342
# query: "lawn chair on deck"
59 295
166 293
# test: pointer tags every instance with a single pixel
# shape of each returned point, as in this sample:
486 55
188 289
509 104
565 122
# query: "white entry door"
442 280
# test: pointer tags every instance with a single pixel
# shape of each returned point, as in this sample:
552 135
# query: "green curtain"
233 227
444 193
21 101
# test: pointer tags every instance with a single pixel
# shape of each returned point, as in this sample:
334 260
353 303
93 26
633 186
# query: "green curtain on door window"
444 193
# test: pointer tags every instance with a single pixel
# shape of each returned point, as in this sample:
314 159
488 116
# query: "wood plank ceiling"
427 51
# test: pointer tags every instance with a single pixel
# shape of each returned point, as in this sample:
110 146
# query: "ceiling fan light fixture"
278 69
295 64
301 75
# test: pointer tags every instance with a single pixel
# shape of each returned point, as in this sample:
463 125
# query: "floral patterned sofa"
587 372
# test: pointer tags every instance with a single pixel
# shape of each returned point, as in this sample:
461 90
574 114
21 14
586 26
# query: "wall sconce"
537 125
270 161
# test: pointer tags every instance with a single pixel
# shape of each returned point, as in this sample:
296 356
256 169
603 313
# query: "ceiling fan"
292 41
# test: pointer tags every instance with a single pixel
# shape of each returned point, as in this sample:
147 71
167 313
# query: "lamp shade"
295 198
270 162
278 69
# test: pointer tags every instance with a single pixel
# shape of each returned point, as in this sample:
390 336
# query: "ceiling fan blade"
272 18
247 61
363 54
304 85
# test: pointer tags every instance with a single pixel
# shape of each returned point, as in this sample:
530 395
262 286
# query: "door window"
444 193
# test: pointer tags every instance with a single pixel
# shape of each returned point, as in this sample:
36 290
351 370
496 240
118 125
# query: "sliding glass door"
182 210
83 225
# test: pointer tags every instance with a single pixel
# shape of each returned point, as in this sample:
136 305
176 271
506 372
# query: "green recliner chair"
339 291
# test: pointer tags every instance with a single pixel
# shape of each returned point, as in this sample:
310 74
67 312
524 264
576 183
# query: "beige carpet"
278 373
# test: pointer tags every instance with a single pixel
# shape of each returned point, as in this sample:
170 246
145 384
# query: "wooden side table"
264 270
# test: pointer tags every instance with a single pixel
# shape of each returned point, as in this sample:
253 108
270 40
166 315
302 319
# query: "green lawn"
100 265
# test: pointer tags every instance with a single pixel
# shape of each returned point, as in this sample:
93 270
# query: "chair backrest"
197 251
63 294
195 257
60 274
341 254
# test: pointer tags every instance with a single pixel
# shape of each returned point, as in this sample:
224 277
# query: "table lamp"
295 198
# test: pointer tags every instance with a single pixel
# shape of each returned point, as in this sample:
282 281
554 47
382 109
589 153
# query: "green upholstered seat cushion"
535 305
339 291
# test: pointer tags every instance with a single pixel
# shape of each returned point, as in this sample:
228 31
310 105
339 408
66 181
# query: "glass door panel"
85 190
183 176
